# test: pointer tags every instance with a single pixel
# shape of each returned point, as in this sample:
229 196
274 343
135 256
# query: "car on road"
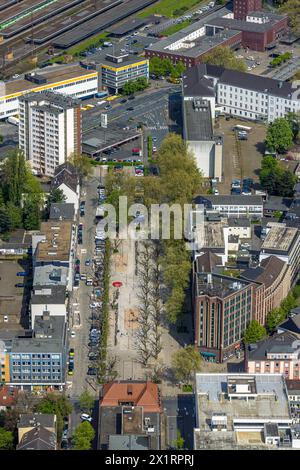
130 109
95 304
246 191
65 434
87 262
73 334
123 100
71 352
19 284
86 417
92 371
22 273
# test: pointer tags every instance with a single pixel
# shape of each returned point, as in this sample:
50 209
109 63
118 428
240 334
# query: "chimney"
129 389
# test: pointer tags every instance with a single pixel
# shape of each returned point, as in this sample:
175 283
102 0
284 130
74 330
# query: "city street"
81 296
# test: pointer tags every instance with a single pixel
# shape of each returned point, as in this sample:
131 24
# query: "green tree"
224 57
273 319
293 120
5 221
276 180
55 196
86 401
185 363
179 442
6 439
254 332
292 8
82 163
31 214
58 405
279 136
178 70
15 214
83 436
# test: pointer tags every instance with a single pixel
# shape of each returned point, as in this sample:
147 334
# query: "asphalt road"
180 414
81 297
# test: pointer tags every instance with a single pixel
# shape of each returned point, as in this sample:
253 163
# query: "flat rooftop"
280 238
54 343
249 26
100 139
50 276
215 285
198 46
198 122
127 26
57 243
53 74
271 401
132 420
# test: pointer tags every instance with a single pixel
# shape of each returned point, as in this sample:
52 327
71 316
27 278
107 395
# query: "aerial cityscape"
150 226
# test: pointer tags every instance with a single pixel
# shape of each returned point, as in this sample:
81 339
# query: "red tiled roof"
8 395
144 394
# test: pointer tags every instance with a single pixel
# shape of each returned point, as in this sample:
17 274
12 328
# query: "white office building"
49 130
243 94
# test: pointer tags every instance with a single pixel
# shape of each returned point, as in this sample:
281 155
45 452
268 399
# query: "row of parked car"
244 187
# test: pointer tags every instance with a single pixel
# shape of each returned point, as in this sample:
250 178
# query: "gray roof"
56 99
285 342
239 222
202 45
238 79
278 203
53 329
225 200
27 420
241 25
198 122
38 438
127 26
291 324
128 442
50 276
62 211
48 295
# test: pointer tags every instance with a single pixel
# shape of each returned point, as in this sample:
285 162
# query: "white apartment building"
49 130
71 80
246 95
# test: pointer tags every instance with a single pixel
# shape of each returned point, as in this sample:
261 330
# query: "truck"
107 44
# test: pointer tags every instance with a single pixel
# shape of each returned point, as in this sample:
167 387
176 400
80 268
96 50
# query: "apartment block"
49 130
223 307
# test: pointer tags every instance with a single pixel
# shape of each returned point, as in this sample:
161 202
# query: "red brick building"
241 8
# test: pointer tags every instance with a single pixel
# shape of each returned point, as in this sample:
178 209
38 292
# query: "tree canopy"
254 332
6 439
86 401
224 57
164 67
185 363
275 179
292 8
83 436
133 86
279 136
58 405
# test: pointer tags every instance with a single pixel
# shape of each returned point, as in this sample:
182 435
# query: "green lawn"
168 7
175 28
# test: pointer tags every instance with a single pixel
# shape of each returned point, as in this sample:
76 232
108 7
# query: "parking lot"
14 299
241 158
